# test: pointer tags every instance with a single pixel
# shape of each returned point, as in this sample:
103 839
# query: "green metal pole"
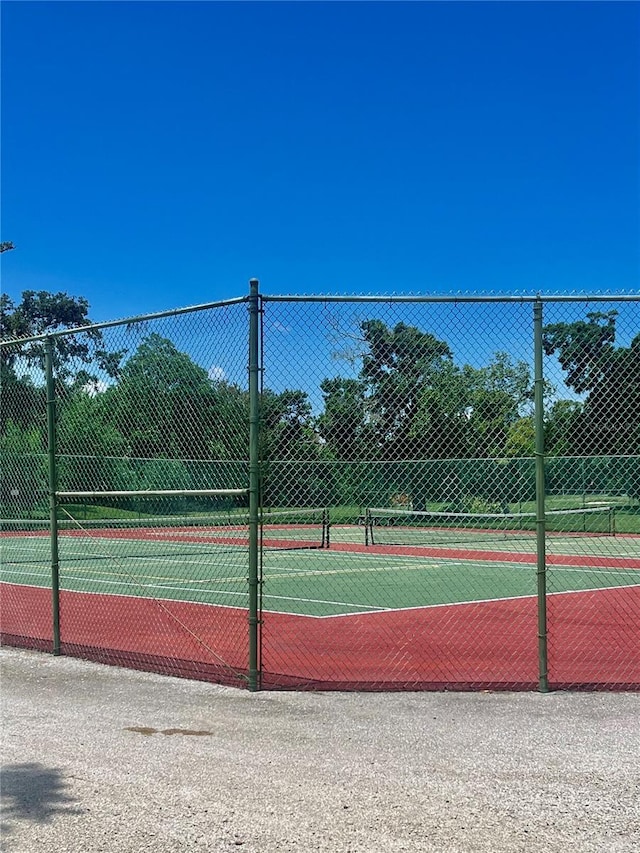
254 483
541 561
53 486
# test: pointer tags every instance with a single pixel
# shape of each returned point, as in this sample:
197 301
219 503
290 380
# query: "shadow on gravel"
34 793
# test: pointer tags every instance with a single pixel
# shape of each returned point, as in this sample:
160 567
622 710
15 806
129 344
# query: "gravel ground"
101 759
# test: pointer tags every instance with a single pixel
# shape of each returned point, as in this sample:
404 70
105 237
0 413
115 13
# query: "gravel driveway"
103 759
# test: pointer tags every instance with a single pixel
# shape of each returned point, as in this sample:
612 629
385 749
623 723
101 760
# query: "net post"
53 500
326 528
367 522
254 482
541 561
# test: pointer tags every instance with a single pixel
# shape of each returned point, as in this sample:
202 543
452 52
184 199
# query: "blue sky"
161 154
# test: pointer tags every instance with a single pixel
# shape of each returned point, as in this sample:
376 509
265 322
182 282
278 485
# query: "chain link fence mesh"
146 580
412 535
414 422
405 422
592 359
24 489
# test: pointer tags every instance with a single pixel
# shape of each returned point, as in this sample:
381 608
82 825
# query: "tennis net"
160 535
413 527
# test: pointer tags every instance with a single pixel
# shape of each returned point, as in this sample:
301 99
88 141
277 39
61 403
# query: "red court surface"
594 641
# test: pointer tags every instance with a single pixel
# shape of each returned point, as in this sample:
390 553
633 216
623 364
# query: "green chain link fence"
332 492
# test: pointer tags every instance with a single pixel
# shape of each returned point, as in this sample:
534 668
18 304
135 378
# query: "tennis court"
332 492
458 604
207 563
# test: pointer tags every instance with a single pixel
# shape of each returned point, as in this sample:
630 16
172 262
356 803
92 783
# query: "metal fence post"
541 561
53 486
254 482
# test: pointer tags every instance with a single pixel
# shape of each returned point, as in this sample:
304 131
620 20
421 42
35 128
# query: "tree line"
408 424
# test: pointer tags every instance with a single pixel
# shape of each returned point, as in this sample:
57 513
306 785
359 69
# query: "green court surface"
345 579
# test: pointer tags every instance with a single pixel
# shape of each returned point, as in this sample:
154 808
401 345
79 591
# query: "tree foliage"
609 378
166 405
412 424
344 425
397 368
43 313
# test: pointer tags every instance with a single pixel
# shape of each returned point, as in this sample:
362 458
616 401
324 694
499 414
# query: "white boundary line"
367 612
480 601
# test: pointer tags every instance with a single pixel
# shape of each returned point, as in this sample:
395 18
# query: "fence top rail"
432 298
126 321
153 493
584 298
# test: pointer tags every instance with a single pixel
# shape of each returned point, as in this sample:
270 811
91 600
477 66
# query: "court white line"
479 601
143 598
151 581
428 566
283 573
142 586
165 587
318 601
366 610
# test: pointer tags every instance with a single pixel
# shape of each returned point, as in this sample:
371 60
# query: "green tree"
442 425
229 421
38 313
21 401
166 405
292 472
608 376
500 395
23 470
43 313
23 397
398 366
422 405
563 426
287 426
91 449
162 403
521 439
411 403
344 425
